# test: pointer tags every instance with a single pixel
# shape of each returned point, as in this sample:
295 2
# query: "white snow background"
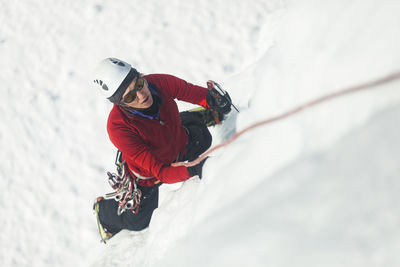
317 189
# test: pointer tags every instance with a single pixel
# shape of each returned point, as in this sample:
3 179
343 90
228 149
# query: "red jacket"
149 146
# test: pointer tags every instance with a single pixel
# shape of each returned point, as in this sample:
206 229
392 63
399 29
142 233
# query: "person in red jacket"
146 127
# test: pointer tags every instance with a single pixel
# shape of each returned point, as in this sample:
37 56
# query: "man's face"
143 98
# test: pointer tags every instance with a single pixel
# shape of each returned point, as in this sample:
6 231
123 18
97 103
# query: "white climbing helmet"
113 76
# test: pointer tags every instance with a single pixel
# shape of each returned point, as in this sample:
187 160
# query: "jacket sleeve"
180 89
137 153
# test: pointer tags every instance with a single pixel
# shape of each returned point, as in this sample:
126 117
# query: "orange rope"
377 82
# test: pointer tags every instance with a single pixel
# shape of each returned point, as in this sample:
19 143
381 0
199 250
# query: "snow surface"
316 189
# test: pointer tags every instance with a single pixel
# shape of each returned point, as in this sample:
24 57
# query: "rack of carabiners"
126 192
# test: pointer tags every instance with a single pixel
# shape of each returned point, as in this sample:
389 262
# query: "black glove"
197 169
219 103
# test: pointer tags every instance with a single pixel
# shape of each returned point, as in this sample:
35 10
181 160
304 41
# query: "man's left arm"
180 89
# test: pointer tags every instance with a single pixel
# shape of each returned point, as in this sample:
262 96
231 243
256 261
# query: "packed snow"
319 188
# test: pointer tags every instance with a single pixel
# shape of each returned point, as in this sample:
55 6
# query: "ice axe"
218 93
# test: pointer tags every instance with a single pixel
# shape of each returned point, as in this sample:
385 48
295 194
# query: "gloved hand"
218 102
197 169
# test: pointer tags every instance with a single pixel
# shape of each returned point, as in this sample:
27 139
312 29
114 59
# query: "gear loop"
126 193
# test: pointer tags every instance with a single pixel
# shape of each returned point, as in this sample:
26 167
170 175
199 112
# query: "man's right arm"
138 154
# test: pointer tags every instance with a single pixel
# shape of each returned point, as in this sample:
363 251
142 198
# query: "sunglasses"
130 97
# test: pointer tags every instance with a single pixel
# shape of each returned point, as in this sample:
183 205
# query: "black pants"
199 141
199 136
128 220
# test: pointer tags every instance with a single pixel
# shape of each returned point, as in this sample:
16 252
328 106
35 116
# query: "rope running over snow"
387 79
